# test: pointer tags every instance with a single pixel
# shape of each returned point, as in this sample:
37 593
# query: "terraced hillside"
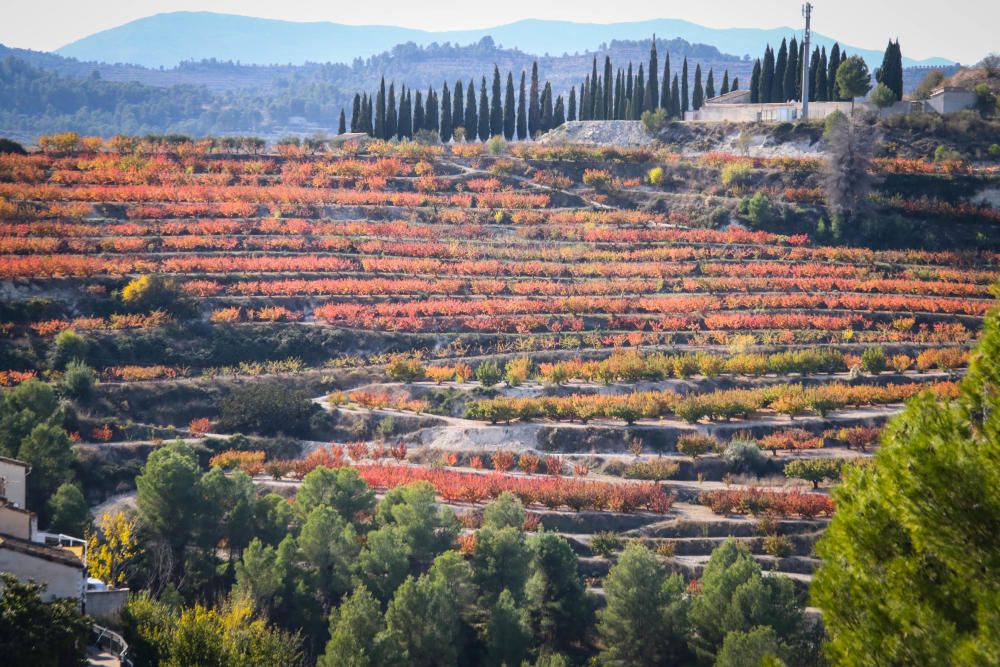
597 330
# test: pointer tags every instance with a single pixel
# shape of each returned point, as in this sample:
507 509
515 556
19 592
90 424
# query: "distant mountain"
164 40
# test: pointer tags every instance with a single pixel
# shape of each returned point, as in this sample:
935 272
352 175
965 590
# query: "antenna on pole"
807 13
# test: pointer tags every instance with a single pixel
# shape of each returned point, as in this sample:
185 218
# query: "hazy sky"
961 29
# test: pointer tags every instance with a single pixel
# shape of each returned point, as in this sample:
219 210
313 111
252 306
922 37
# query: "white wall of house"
751 113
62 580
12 481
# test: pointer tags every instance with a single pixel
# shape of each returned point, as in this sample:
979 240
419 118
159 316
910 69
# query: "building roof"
52 554
4 459
728 97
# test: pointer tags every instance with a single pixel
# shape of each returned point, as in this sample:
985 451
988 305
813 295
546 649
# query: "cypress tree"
755 83
767 76
778 87
891 71
710 85
546 120
571 113
533 101
609 91
831 73
675 99
618 96
594 99
638 93
725 83
370 117
736 84
599 106
509 116
356 113
821 71
685 100
652 96
418 113
798 72
391 118
699 93
814 75
342 123
585 99
446 124
401 116
665 84
522 118
432 118
471 117
380 111
496 105
628 82
788 81
458 110
559 113
484 111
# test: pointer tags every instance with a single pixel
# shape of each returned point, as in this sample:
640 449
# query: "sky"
966 31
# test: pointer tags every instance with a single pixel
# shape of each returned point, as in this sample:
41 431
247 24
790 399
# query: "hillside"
168 39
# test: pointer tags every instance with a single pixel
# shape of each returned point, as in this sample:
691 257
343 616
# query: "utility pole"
806 12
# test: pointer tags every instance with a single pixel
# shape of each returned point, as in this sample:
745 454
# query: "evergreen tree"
698 97
391 119
458 110
639 94
652 96
418 113
685 99
831 72
665 83
595 100
798 71
619 96
571 111
405 128
736 84
790 70
432 117
891 71
496 105
559 113
755 83
380 111
471 115
725 83
484 111
446 123
534 109
522 118
342 123
778 86
366 115
609 90
675 98
356 114
628 82
767 76
547 110
710 85
585 98
509 116
814 75
822 85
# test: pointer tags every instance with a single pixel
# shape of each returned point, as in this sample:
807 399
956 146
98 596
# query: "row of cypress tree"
494 112
778 78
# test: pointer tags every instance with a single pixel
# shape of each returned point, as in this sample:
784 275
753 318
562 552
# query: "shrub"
404 368
882 96
814 470
696 444
900 363
496 145
502 460
994 150
873 360
605 543
653 469
760 212
488 373
517 371
78 381
736 173
69 346
745 456
654 121
779 546
656 176
599 179
266 409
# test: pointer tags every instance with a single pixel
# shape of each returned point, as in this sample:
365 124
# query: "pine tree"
652 96
446 124
356 113
755 83
559 113
698 97
725 83
767 76
471 117
496 105
609 91
675 99
342 123
391 117
665 83
823 84
380 111
685 99
638 95
546 120
484 111
778 87
458 110
509 116
710 85
790 69
418 113
534 110
522 118
831 72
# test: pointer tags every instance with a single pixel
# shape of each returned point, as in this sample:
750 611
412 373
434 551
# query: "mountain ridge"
166 39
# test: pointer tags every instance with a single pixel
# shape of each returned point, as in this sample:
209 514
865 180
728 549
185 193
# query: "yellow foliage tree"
110 552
